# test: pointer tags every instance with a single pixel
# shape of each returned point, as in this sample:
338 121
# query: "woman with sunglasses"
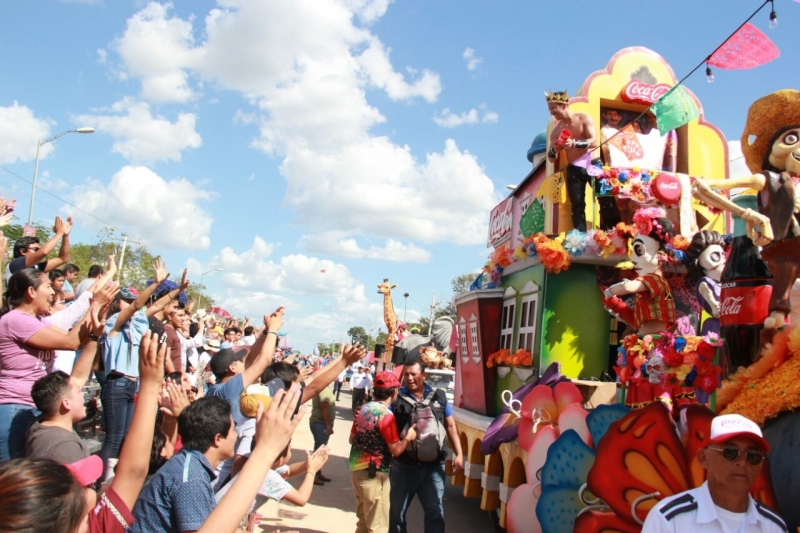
733 460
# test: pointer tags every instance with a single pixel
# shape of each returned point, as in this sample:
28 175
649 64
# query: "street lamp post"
200 296
405 305
36 164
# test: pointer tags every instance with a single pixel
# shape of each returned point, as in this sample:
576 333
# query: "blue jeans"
320 434
118 412
15 419
425 480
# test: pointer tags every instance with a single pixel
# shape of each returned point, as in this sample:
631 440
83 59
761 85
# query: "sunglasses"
729 453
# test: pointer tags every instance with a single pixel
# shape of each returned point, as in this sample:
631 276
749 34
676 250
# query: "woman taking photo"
27 347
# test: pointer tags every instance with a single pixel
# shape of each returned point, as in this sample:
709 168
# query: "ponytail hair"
18 285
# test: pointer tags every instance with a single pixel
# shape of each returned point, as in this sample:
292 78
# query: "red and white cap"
87 471
727 427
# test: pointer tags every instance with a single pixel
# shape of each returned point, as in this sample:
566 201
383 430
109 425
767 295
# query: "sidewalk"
332 508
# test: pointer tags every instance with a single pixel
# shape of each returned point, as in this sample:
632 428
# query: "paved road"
331 508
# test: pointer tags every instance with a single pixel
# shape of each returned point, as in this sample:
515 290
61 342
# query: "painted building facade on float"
560 317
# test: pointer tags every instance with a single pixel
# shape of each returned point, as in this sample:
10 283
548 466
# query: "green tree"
461 283
358 334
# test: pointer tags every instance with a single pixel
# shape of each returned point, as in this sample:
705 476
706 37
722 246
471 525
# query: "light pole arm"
35 175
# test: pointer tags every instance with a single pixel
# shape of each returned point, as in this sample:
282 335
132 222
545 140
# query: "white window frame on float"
508 319
463 347
473 337
529 309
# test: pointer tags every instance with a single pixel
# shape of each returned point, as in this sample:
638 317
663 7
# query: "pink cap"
88 470
727 427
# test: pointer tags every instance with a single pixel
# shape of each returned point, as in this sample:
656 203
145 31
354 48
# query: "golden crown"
558 97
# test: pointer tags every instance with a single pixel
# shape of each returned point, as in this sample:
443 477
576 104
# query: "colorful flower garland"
688 361
504 357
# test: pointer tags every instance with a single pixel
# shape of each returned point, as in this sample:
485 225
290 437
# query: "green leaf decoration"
533 220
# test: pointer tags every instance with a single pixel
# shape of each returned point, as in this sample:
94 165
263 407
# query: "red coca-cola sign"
637 92
744 302
666 188
501 221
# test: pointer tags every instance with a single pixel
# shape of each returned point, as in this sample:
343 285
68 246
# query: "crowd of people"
197 410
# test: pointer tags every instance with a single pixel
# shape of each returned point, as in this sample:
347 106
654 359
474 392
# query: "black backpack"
428 415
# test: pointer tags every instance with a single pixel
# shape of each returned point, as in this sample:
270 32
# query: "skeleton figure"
771 147
655 369
706 255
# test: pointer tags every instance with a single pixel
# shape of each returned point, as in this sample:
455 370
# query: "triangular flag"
747 48
674 109
533 220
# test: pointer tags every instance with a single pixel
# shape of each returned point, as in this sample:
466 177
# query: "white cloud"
368 11
375 62
102 56
141 137
737 168
156 49
472 60
20 133
310 95
339 244
165 214
448 119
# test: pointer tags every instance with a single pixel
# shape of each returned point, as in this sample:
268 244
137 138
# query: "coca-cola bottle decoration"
745 289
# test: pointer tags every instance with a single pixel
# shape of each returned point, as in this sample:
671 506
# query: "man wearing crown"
580 142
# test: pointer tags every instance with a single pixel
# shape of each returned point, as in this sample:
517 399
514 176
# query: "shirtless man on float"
582 141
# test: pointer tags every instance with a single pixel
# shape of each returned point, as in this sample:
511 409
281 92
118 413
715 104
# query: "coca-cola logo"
636 92
501 221
667 188
731 306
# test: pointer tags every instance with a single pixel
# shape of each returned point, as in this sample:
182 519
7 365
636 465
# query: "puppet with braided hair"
654 306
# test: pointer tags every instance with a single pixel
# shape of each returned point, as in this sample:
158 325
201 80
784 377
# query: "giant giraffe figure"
389 317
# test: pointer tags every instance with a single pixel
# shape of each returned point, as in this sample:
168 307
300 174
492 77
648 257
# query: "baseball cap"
128 293
87 470
221 360
727 427
258 393
386 380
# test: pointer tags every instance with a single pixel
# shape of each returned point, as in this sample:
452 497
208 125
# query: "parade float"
611 349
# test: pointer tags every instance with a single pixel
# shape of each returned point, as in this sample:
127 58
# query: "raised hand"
315 461
67 226
98 318
305 372
275 320
106 294
58 226
160 268
275 425
151 358
354 353
184 280
111 266
173 400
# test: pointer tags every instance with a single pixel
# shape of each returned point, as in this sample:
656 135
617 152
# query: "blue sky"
363 138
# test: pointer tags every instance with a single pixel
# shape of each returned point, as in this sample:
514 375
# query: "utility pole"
122 255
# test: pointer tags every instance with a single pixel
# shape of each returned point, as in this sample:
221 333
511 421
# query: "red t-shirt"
110 515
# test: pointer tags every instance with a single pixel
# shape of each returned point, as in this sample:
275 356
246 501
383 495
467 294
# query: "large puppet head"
771 137
648 248
706 252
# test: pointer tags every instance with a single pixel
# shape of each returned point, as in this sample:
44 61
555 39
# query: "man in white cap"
733 459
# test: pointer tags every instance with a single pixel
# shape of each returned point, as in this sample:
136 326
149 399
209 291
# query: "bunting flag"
674 109
747 48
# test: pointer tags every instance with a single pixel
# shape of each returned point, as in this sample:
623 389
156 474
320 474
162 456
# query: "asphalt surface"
332 508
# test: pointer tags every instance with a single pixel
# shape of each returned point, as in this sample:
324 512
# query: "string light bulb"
773 16
709 74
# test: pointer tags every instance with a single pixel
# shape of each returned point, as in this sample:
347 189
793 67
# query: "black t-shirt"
18 263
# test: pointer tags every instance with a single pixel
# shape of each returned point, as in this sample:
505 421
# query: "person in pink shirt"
27 347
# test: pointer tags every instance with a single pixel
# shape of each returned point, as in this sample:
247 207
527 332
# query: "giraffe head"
385 288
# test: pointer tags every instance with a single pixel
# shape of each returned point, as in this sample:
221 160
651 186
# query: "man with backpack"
419 471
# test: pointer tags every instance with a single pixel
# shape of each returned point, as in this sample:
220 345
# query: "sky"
312 148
